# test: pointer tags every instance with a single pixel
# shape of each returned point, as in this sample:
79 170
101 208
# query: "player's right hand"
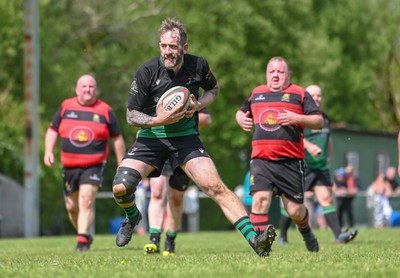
48 159
246 122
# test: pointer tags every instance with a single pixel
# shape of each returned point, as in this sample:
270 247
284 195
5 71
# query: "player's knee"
298 213
327 201
125 184
215 188
158 193
71 208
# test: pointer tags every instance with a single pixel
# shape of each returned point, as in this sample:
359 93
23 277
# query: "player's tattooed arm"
208 97
138 119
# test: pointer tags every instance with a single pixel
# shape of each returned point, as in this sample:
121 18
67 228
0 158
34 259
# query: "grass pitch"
374 253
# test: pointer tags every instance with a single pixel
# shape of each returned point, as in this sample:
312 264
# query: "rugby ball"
173 98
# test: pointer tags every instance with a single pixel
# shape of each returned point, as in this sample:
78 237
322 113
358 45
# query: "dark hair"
170 24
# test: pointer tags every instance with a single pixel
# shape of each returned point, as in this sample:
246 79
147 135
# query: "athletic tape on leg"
130 179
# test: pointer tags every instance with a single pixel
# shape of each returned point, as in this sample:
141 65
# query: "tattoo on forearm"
214 91
138 119
209 96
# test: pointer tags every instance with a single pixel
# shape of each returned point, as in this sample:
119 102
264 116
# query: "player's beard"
175 61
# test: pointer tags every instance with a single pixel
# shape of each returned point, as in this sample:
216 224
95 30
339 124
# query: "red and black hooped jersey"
270 140
84 131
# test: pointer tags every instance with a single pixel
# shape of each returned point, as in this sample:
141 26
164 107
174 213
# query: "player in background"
278 111
84 124
167 192
318 155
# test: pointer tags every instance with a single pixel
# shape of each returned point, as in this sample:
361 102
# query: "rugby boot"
346 237
282 241
262 242
153 247
169 249
125 232
311 241
84 246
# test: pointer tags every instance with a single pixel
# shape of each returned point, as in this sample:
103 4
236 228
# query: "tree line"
349 48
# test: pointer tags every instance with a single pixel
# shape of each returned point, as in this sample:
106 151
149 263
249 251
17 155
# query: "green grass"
374 253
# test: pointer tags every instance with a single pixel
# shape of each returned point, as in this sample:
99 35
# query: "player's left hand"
288 118
314 150
169 117
193 107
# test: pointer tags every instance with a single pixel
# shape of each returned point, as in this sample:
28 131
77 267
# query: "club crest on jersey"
96 118
285 97
81 136
267 120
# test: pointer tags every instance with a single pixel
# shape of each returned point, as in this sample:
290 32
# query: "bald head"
391 173
86 90
316 93
86 78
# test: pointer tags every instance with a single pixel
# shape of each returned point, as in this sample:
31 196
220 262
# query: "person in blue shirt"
247 199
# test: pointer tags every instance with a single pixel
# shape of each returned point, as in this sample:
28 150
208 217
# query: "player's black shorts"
281 176
317 177
73 177
155 152
178 178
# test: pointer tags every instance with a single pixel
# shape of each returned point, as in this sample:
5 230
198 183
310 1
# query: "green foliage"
374 253
364 80
11 48
350 48
12 137
12 130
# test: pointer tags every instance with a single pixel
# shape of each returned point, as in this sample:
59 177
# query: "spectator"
346 188
381 191
247 198
390 177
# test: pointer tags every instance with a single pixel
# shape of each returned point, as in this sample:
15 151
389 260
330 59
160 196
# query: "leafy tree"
12 137
364 90
11 90
350 48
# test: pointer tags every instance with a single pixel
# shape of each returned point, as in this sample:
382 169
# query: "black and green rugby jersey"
152 79
319 137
